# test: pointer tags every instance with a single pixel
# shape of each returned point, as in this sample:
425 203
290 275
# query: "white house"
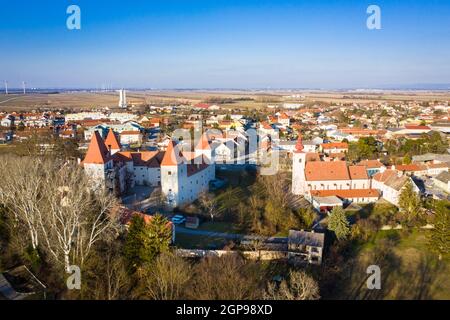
442 181
131 137
391 183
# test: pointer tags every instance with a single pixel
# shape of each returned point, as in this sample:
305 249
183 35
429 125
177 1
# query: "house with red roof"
334 147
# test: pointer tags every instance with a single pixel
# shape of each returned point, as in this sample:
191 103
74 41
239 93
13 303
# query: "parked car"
178 219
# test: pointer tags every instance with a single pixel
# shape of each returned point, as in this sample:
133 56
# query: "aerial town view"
225 150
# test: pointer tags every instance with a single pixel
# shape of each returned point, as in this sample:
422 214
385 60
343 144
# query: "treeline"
222 100
431 142
370 148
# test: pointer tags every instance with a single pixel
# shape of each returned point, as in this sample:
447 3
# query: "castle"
181 176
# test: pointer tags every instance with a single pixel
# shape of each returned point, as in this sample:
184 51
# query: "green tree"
133 244
338 223
407 159
145 241
439 238
409 203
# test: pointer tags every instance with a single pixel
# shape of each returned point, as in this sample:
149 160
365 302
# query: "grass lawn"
190 241
223 227
408 269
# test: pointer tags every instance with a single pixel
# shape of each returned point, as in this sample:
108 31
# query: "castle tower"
123 99
111 142
298 169
98 160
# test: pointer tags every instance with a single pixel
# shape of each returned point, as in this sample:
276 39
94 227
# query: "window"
169 173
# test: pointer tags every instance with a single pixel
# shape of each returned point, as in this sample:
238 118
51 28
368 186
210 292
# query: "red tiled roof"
337 145
111 140
323 171
142 159
172 156
203 144
358 172
416 127
193 168
371 163
97 152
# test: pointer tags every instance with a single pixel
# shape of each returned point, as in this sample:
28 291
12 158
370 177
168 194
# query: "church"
315 179
182 176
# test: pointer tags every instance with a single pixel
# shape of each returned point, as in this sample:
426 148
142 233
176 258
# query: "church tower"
298 169
173 172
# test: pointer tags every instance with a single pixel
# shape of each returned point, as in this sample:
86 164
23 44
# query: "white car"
178 219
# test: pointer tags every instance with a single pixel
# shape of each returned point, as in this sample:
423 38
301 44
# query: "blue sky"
224 44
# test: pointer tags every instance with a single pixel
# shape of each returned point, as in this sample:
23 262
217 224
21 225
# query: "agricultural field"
226 99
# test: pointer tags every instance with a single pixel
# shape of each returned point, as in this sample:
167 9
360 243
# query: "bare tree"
209 203
63 214
115 274
226 278
166 279
300 286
